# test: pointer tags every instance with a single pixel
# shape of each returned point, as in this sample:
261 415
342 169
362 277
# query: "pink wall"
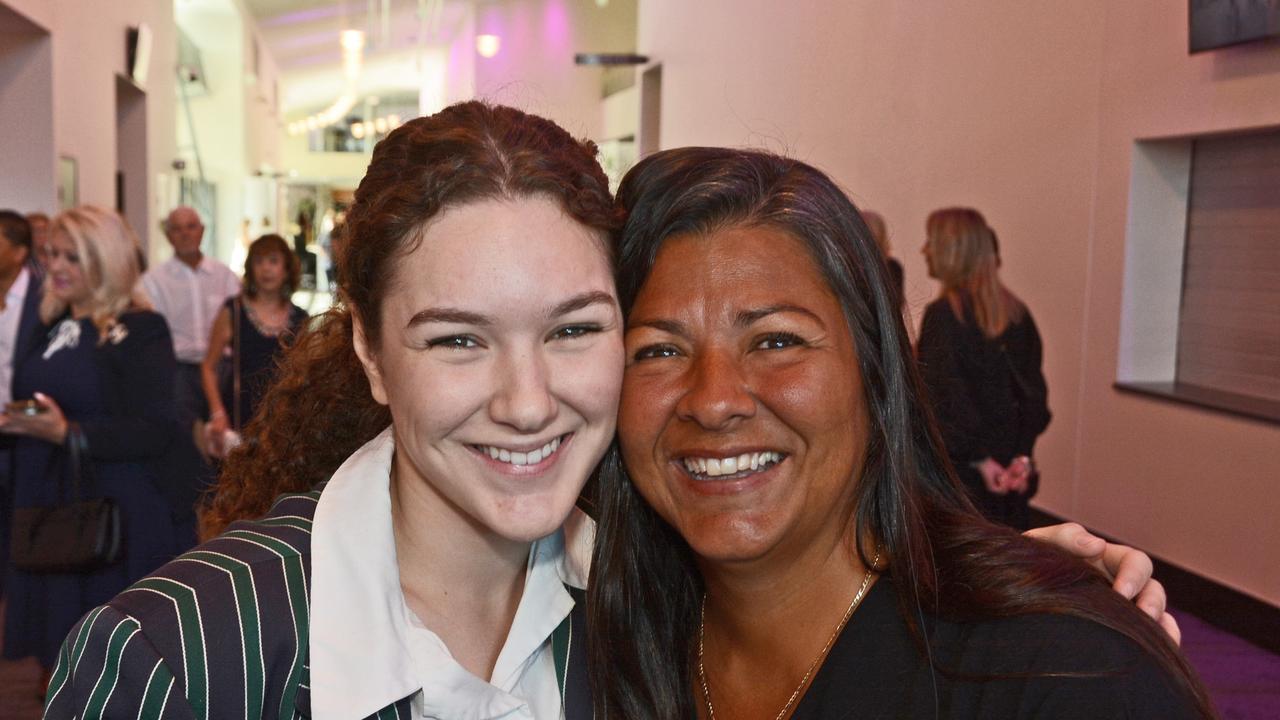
1027 111
88 49
534 70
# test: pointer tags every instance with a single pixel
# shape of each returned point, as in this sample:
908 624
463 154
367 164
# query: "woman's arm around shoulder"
108 668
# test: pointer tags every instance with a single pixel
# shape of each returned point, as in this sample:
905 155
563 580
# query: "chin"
729 539
531 518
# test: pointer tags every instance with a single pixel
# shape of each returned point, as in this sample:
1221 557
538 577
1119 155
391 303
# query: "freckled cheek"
437 399
591 382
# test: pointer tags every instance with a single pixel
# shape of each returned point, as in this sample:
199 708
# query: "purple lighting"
555 25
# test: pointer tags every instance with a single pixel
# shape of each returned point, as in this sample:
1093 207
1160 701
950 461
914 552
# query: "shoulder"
219 269
939 312
161 273
227 617
213 574
939 323
138 327
1065 666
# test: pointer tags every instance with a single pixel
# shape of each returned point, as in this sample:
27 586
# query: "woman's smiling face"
743 421
500 358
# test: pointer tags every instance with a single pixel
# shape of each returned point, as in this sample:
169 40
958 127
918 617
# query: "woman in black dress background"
104 369
980 355
255 325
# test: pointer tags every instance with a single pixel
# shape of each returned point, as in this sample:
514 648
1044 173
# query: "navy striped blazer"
220 633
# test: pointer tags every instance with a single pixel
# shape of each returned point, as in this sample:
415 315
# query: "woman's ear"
368 359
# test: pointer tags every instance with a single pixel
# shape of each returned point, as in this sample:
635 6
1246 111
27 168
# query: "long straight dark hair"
946 560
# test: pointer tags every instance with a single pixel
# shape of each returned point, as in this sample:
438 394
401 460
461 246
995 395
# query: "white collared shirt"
189 300
367 648
10 319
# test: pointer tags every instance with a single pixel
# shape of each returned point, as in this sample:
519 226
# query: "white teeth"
715 467
533 457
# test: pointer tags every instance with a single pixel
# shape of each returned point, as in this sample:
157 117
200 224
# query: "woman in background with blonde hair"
980 354
100 379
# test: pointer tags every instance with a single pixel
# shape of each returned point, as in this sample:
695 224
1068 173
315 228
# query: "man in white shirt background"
19 324
188 291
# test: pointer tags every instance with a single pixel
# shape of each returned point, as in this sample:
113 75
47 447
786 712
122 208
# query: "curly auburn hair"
320 409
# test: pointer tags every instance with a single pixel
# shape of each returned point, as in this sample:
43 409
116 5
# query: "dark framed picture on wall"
68 183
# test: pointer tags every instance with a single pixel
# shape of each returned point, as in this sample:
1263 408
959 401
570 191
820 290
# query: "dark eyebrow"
577 302
667 326
747 317
447 315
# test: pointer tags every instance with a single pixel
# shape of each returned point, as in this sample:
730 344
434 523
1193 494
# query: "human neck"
191 260
461 579
80 311
765 624
6 281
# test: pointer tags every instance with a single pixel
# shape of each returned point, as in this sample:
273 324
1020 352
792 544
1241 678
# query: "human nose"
718 394
523 398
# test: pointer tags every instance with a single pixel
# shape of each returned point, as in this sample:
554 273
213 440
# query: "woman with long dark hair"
787 537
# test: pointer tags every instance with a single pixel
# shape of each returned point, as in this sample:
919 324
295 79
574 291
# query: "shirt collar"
357 603
201 267
355 600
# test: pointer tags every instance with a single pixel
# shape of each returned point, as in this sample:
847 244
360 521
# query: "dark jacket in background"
988 394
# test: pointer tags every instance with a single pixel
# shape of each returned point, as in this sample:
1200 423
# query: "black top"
259 351
875 670
988 394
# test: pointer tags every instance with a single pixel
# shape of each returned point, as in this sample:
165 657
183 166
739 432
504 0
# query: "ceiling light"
488 45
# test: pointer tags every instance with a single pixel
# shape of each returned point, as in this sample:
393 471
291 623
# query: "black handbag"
78 534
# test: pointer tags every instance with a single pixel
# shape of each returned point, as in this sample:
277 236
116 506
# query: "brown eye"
651 352
778 341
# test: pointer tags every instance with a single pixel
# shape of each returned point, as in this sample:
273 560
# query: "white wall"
88 47
1027 111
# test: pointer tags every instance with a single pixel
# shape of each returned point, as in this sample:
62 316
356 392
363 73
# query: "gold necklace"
853 605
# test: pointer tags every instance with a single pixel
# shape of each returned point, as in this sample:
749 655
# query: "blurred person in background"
251 330
102 374
19 320
980 355
189 290
880 233
37 261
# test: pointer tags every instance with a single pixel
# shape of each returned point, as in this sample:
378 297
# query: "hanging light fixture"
352 43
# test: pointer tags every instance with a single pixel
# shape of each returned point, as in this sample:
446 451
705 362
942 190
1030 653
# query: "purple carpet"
1243 679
